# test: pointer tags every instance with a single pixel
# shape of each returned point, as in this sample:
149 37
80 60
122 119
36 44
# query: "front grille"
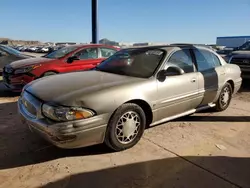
7 72
28 107
240 61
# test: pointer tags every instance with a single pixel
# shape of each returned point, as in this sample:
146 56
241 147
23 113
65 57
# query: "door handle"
193 80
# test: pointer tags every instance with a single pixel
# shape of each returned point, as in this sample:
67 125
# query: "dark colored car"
67 59
8 55
224 52
243 61
244 49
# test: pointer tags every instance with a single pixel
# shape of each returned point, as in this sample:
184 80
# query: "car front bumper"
68 135
245 72
17 82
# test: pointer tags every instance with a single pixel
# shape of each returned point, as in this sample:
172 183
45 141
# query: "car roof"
171 47
91 45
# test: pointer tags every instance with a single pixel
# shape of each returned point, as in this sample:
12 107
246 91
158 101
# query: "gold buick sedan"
133 89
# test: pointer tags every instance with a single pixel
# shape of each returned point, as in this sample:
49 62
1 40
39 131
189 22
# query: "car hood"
240 53
73 86
247 56
29 61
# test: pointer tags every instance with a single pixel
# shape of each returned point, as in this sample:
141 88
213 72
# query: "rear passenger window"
88 53
107 52
182 59
216 60
206 60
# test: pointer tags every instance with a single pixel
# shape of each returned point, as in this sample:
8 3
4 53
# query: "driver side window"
182 59
107 52
88 53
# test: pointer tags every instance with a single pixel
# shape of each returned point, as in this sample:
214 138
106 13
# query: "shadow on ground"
210 118
176 172
20 147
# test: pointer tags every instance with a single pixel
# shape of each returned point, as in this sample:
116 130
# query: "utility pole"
94 6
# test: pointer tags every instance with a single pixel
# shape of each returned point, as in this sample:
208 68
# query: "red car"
67 59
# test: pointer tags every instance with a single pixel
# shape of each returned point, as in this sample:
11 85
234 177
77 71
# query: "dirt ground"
204 150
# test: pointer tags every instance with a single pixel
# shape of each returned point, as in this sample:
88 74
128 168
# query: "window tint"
89 53
183 59
206 60
107 52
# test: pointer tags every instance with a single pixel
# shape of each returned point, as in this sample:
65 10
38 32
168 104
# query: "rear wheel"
125 127
225 98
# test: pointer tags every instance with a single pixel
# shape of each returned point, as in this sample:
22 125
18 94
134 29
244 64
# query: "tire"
226 93
121 137
49 74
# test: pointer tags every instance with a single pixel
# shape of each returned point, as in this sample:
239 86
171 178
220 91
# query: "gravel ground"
204 150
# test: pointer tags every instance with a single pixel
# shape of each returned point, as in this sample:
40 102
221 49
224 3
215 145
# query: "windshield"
245 46
133 62
61 52
10 50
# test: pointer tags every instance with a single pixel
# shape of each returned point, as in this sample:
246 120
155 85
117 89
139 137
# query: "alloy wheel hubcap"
127 127
225 96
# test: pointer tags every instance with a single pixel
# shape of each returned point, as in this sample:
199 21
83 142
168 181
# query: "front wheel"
125 127
224 98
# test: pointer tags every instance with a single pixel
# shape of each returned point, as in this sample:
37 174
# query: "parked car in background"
23 49
243 61
44 49
67 59
244 49
8 55
19 48
33 48
133 89
223 53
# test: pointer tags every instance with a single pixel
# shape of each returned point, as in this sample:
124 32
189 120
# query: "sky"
168 21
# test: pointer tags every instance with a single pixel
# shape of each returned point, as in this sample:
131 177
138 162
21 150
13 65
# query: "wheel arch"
54 71
231 82
145 107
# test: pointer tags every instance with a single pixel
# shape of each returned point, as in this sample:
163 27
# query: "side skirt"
210 105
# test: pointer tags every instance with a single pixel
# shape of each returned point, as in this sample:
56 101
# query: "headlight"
59 113
26 69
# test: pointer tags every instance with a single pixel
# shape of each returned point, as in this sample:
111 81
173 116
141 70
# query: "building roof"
233 37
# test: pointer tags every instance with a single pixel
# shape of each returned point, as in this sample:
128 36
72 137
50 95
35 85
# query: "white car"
45 49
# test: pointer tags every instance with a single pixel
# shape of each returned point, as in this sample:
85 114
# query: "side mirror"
71 59
170 71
